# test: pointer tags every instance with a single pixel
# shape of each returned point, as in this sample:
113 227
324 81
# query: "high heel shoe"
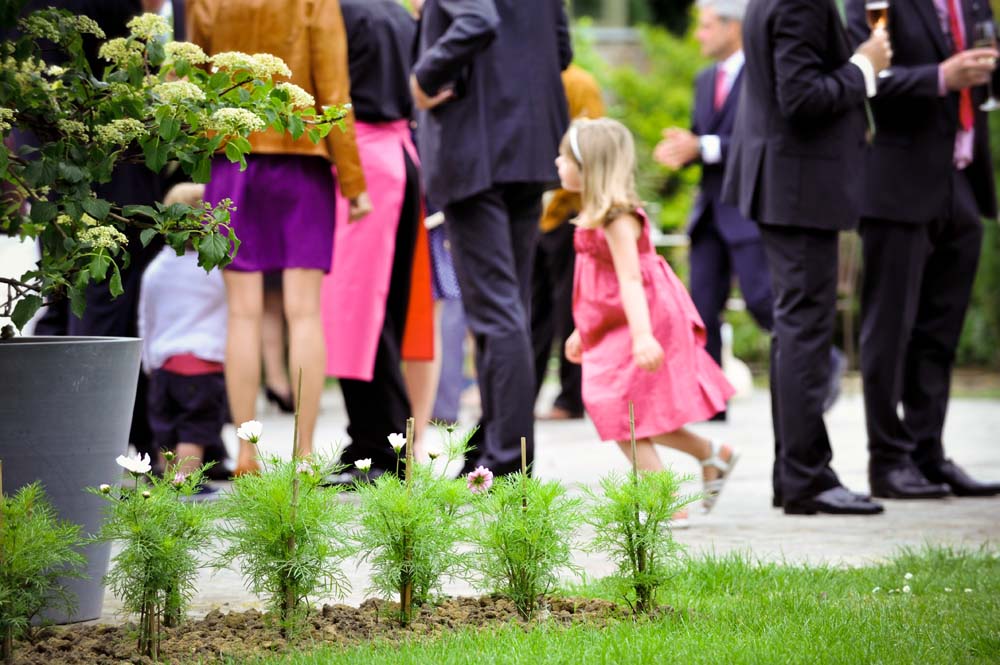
284 403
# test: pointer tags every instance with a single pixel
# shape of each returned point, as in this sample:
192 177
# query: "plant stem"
641 589
8 645
524 473
406 590
290 599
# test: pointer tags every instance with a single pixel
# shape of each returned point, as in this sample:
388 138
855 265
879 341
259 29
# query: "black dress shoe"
834 501
776 501
905 482
958 480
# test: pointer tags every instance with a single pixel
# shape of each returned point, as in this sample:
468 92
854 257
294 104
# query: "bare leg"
421 378
306 347
698 447
189 457
245 298
647 460
273 340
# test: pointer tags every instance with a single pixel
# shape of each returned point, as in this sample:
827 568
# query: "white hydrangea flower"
87 25
122 52
107 237
186 51
120 132
149 26
40 27
6 118
267 66
178 91
72 128
232 61
55 70
297 97
236 121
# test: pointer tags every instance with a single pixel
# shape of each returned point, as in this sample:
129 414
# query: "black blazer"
796 152
732 225
503 58
910 161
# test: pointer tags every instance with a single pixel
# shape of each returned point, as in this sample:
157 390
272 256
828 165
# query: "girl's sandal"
714 487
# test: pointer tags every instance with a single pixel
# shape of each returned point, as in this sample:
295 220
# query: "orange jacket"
585 101
309 36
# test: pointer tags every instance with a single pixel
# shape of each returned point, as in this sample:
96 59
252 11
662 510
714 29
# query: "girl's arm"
622 234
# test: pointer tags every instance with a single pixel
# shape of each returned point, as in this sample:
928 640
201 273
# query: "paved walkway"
743 519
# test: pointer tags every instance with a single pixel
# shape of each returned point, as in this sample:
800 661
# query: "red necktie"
966 116
720 86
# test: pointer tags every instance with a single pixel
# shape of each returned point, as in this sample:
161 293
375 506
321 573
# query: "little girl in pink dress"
638 335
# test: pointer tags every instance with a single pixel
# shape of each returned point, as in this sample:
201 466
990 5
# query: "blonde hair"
605 152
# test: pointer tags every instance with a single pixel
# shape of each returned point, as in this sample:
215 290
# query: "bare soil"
239 635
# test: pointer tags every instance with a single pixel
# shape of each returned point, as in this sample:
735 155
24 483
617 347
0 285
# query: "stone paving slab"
743 520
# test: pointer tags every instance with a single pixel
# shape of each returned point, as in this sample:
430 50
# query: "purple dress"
285 210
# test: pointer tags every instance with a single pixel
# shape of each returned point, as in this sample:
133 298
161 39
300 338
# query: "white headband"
574 144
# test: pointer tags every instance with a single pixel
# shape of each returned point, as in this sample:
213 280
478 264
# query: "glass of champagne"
877 14
985 36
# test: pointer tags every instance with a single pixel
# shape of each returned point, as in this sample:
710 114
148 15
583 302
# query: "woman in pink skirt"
638 335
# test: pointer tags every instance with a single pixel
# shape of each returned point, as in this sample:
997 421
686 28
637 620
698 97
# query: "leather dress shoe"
776 501
834 501
905 482
958 480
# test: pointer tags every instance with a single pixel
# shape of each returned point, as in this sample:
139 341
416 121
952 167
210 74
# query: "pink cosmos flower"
179 478
479 480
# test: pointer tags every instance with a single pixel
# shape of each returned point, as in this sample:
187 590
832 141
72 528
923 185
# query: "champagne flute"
986 37
877 15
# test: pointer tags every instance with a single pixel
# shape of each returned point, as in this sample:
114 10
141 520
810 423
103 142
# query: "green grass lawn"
729 610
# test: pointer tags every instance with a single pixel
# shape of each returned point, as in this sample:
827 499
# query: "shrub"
37 551
522 534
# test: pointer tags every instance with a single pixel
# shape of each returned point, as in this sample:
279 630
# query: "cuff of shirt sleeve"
711 149
942 88
868 71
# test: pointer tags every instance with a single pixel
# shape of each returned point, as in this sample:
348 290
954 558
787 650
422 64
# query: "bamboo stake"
406 594
641 592
524 473
293 509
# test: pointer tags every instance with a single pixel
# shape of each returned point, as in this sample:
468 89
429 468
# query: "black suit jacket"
796 153
733 226
910 161
503 58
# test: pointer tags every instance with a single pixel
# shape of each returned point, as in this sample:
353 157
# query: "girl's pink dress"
689 387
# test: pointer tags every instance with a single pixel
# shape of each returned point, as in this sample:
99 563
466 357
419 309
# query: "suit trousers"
552 313
917 285
713 262
380 407
493 237
803 265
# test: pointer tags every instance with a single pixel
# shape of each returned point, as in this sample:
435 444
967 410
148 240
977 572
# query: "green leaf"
219 81
71 172
213 250
296 126
43 211
132 211
146 236
24 310
99 266
97 208
202 170
156 52
182 67
170 127
116 282
314 135
233 154
77 301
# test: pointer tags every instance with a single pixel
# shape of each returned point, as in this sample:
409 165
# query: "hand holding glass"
877 15
985 36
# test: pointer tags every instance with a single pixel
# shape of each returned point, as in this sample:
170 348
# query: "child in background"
638 335
182 321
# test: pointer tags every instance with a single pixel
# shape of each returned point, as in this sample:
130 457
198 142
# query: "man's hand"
678 148
425 102
969 68
877 50
574 348
359 207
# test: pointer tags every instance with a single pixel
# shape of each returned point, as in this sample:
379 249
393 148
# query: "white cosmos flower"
397 441
250 431
105 488
364 464
138 465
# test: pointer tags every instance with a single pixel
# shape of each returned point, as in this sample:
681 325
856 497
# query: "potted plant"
66 404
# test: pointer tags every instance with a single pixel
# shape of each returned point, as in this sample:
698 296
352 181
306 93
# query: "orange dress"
689 387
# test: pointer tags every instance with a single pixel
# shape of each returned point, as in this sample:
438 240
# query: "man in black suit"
928 182
794 167
488 80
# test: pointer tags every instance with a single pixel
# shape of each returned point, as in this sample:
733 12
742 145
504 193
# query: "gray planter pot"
65 413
